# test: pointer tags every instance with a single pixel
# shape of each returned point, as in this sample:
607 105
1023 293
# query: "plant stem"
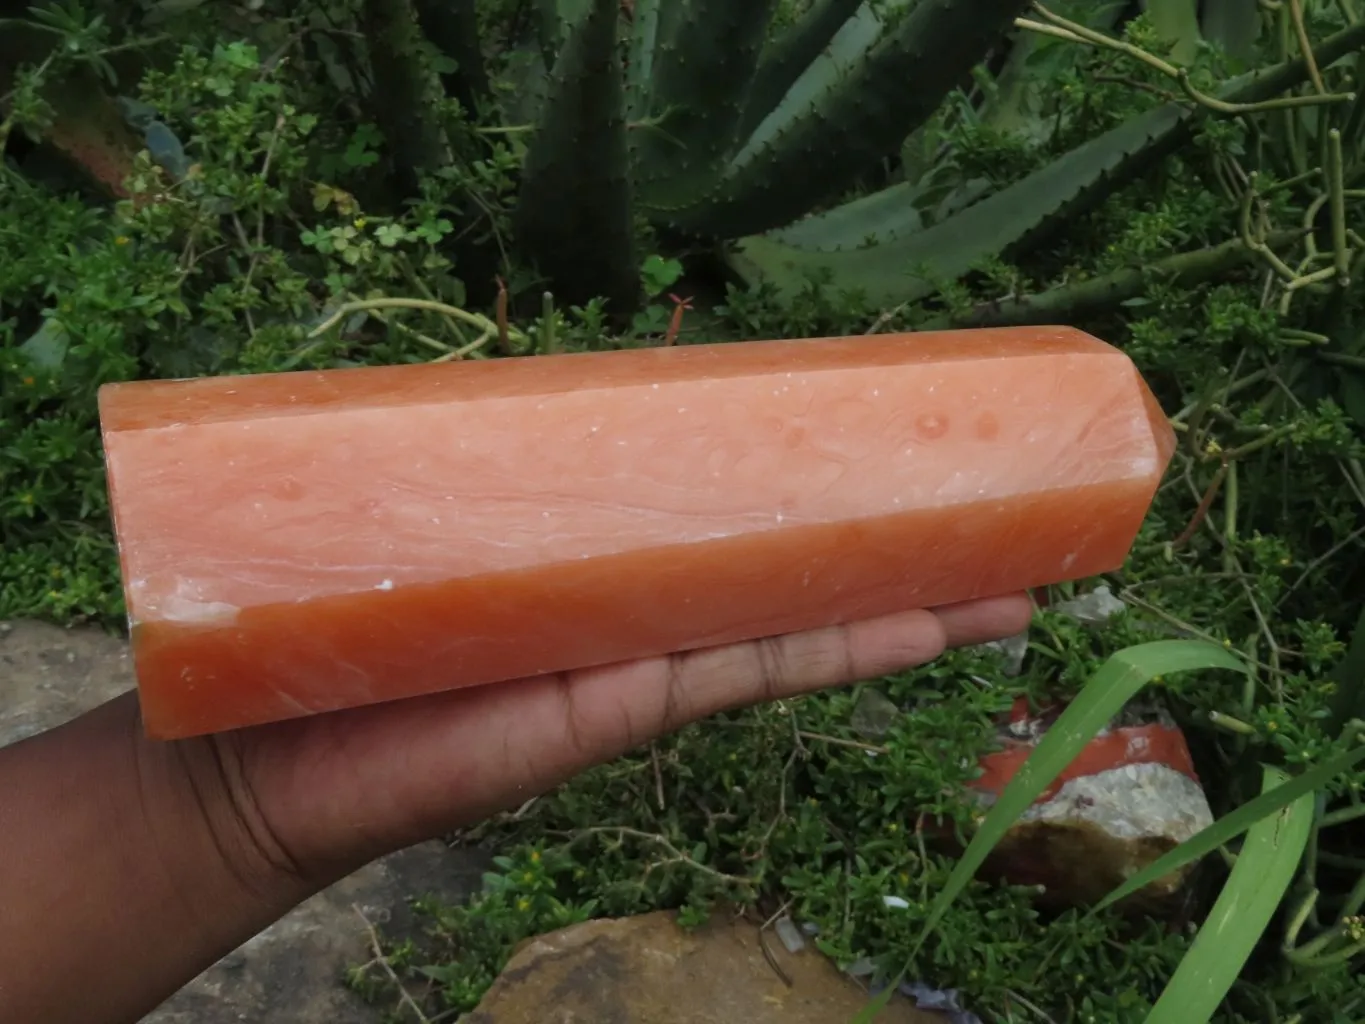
1344 815
1065 29
1085 297
364 305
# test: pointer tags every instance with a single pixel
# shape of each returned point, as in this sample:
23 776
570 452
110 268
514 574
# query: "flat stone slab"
293 970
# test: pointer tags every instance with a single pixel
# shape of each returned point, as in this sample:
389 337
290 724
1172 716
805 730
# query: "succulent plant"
881 245
719 127
721 131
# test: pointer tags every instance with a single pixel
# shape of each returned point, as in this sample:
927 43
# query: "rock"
874 714
293 970
647 970
1012 650
1092 609
50 675
1130 796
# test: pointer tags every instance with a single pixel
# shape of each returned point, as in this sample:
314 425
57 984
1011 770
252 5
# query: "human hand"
319 796
167 855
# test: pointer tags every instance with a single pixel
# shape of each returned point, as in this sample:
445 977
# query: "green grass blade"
1120 678
1117 681
1236 822
1264 869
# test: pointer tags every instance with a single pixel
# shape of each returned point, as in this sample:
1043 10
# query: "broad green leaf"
1264 868
1235 823
1120 678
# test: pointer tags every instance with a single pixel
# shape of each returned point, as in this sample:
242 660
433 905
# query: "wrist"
201 811
126 864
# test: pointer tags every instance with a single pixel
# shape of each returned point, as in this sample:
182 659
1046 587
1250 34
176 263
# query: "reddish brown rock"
1129 797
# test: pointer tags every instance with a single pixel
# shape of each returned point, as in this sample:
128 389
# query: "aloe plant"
729 132
879 245
718 127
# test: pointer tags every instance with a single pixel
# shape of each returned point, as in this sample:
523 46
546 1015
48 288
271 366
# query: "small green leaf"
659 274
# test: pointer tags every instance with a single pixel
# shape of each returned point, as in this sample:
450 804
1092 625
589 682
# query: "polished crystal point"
300 542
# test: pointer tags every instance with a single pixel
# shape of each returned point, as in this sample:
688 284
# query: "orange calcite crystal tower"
302 542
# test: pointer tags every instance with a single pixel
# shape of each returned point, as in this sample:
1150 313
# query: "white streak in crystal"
185 605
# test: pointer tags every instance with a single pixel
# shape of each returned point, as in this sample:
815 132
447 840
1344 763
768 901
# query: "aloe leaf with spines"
554 20
704 58
452 26
640 61
574 220
907 264
790 54
813 152
897 270
399 97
